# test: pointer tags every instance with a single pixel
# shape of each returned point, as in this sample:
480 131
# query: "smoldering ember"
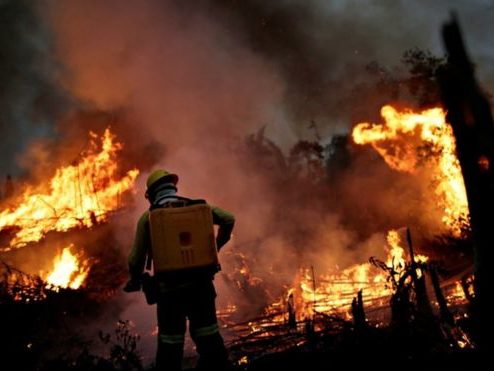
343 150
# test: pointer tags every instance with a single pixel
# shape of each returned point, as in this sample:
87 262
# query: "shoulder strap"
179 202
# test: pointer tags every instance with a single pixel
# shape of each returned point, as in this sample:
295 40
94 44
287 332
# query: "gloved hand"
132 286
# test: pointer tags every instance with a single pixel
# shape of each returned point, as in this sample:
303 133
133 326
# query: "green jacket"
142 242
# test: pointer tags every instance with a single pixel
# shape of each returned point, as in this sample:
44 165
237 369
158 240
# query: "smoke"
30 98
183 85
318 46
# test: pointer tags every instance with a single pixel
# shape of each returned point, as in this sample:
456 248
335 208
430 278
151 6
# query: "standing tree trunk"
469 113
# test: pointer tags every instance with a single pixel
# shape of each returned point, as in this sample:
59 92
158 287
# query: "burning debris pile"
80 196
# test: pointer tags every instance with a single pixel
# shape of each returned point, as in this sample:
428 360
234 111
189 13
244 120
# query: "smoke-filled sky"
278 63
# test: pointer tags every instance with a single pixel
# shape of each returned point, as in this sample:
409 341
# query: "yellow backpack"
182 238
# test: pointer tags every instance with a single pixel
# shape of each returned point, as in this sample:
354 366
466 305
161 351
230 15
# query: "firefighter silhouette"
177 235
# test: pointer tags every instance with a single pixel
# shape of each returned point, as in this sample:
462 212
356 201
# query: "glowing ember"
20 286
401 140
243 361
69 270
80 194
457 294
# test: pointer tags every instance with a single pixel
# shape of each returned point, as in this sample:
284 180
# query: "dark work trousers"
195 302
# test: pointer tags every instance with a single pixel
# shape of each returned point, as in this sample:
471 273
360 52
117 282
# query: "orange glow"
334 293
69 270
407 141
78 195
401 141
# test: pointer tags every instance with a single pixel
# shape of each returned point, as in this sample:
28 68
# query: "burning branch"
98 190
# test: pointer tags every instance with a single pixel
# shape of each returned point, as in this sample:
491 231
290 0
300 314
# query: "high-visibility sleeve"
140 248
226 221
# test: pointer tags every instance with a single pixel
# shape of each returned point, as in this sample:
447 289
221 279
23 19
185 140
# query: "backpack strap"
179 202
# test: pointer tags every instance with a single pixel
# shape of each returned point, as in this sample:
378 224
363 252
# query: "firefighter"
177 234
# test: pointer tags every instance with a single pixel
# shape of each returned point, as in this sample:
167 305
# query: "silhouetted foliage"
421 82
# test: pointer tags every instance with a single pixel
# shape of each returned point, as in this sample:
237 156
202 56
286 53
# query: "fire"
457 294
79 195
396 254
408 141
333 293
69 270
20 286
402 139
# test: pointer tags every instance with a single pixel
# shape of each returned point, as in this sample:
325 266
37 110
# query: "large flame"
79 194
69 270
408 140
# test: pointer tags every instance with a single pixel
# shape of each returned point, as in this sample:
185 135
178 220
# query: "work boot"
212 354
169 357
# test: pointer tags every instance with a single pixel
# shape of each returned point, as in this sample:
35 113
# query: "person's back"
178 234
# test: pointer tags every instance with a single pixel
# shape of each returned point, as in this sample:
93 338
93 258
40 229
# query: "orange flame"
333 293
69 270
400 140
80 194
